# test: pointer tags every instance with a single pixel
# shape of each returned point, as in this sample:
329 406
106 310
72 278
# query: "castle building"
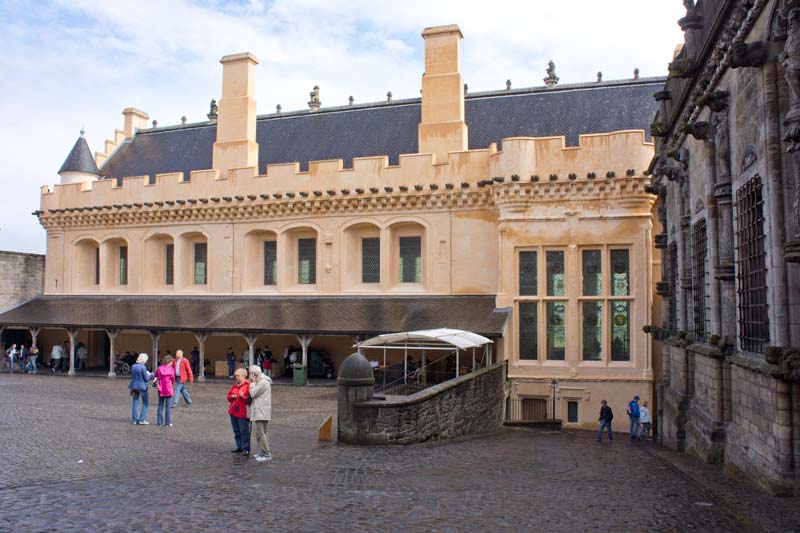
726 172
523 215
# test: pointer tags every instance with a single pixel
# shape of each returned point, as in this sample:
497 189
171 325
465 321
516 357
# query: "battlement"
607 155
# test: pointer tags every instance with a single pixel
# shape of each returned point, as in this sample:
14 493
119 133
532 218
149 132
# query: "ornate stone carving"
790 59
748 54
213 110
551 80
314 103
748 159
698 130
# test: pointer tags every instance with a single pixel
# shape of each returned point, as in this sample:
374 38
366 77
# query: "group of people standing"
250 402
640 421
25 358
170 379
261 358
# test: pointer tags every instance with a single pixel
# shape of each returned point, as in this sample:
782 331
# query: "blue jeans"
21 363
32 366
11 365
143 415
231 366
241 433
180 389
605 425
635 427
164 402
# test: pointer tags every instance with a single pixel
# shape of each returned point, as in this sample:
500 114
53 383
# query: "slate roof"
80 158
391 128
347 315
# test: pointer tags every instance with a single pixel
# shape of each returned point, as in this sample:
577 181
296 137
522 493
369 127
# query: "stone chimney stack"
443 128
236 124
134 119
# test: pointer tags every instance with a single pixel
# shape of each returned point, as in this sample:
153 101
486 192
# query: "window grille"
751 267
592 272
123 265
410 260
556 282
556 330
370 260
169 264
699 261
528 323
270 263
307 261
200 263
672 300
527 273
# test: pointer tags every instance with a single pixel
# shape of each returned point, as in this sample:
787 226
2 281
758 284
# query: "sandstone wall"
21 278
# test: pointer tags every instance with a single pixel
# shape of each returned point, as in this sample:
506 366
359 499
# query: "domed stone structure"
355 370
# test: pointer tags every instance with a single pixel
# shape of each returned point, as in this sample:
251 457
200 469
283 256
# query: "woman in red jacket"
237 397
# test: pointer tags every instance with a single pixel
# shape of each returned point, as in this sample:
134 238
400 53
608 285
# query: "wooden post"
251 339
201 345
112 354
305 340
155 334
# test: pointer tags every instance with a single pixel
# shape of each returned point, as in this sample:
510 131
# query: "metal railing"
397 380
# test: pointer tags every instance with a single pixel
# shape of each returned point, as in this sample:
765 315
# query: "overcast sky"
68 63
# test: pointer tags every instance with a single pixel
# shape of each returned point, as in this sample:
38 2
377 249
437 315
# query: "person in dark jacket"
606 416
138 386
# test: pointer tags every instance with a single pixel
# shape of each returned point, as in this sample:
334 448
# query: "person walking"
165 376
183 373
231 357
33 356
237 398
22 359
83 357
12 354
138 386
646 420
634 415
260 410
55 358
266 361
606 416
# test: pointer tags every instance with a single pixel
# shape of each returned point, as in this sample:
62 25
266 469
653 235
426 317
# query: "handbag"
155 383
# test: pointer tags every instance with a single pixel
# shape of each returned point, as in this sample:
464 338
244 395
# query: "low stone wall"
468 405
734 410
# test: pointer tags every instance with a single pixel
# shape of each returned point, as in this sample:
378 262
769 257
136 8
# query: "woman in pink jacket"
165 377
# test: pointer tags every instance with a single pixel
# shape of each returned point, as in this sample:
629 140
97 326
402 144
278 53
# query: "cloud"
74 62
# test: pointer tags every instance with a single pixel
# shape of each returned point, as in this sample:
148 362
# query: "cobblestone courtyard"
72 461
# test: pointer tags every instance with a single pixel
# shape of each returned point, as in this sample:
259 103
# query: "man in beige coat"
260 410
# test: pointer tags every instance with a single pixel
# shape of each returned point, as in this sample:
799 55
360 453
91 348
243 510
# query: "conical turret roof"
80 158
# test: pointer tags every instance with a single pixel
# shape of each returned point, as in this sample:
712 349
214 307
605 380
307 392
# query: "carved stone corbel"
748 54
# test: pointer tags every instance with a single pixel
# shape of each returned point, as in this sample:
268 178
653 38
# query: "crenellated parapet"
538 169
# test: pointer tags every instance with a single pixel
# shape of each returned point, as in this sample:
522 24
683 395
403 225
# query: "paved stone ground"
72 461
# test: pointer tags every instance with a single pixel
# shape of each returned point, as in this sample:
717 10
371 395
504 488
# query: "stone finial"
599 76
83 131
155 123
689 5
351 100
508 85
551 80
636 73
389 96
213 110
183 119
314 103
278 109
466 90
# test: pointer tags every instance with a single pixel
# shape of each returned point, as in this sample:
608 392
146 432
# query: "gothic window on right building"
699 254
751 267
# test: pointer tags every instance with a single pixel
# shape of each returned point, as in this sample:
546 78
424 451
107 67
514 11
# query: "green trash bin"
299 375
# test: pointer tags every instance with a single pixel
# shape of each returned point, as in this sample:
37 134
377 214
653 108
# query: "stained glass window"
410 260
620 331
556 283
592 331
592 273
528 322
620 273
200 263
527 273
556 330
370 260
169 264
307 261
270 263
123 265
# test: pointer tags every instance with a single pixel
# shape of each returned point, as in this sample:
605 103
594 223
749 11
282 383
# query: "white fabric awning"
454 337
